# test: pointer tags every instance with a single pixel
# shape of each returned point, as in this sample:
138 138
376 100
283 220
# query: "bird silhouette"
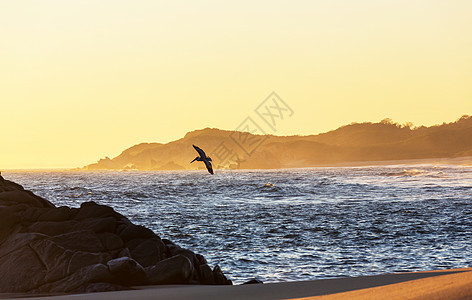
204 158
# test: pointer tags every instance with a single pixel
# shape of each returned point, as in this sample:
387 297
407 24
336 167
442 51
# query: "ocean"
309 223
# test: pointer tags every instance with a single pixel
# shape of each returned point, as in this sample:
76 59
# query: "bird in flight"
203 158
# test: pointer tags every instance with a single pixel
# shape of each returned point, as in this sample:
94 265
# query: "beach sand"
444 284
455 285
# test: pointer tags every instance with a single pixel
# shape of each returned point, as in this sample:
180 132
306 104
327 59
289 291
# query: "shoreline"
438 284
457 161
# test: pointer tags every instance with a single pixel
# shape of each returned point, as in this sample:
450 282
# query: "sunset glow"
80 80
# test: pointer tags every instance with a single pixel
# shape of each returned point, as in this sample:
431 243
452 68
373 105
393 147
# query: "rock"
56 214
8 219
206 275
149 251
110 241
253 281
79 259
48 249
8 185
167 242
219 276
21 197
201 259
127 271
78 281
52 228
82 240
177 269
20 268
124 252
132 231
176 250
93 210
97 225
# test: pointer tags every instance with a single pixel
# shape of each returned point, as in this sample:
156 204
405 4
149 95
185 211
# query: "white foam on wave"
408 173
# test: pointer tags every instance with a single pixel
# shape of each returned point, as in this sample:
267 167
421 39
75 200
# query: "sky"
81 80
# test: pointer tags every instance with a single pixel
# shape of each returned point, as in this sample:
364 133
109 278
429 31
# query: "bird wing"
200 151
209 167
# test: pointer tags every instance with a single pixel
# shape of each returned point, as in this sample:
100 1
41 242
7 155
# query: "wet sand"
444 284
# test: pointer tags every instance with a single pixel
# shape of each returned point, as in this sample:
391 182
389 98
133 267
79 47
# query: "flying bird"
203 158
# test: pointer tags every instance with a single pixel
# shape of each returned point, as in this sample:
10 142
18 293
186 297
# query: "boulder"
48 249
149 251
110 241
177 269
132 231
127 271
206 275
220 278
254 281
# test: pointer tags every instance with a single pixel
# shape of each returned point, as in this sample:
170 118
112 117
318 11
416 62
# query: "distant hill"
355 142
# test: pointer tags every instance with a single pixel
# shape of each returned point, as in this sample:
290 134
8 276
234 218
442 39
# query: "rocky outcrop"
49 249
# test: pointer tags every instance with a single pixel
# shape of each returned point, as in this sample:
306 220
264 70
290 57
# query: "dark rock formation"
254 281
49 249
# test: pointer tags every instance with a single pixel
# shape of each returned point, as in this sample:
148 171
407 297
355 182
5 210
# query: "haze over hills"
356 142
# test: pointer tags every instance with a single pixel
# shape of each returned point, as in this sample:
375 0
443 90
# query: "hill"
356 142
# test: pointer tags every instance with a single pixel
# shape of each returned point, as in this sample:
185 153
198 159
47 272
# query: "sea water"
307 224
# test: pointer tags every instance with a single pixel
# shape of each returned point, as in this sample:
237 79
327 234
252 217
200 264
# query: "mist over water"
311 224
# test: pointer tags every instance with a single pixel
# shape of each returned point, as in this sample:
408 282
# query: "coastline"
457 161
438 284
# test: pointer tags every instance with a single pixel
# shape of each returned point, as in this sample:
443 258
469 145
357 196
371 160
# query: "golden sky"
80 80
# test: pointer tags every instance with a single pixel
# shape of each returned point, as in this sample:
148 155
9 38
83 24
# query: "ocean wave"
378 219
407 173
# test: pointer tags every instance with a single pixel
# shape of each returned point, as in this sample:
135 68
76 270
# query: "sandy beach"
443 284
